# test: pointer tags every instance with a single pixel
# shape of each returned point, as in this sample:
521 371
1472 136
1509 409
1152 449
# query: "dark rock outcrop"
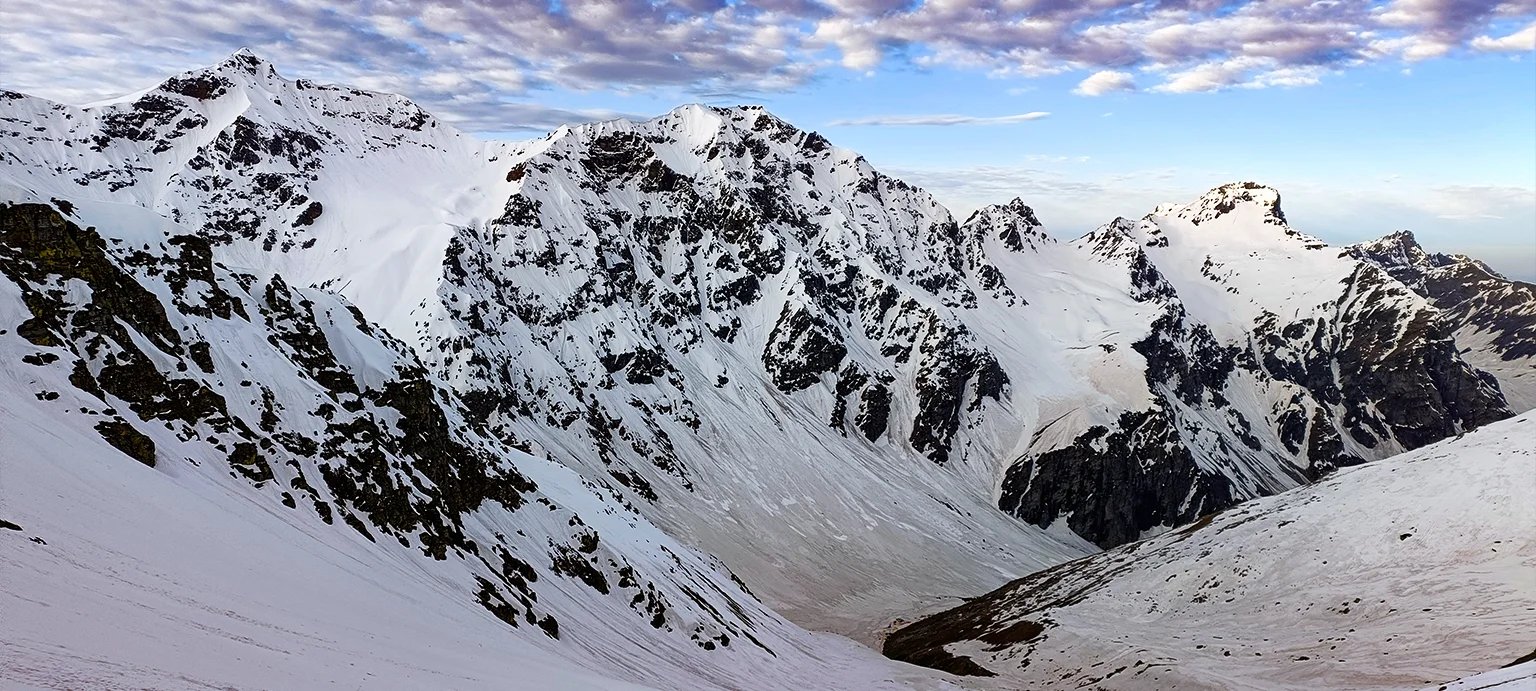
1116 484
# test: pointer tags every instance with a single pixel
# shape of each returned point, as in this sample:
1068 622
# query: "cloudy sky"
1369 116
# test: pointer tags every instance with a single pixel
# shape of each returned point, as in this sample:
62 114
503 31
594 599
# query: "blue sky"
1369 116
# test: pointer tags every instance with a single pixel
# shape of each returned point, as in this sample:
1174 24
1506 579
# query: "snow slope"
1521 677
188 582
308 180
1396 574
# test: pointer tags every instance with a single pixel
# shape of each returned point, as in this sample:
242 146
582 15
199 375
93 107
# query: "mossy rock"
250 463
128 440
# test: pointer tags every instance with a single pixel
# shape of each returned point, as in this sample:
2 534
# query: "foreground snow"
149 581
1405 572
1521 677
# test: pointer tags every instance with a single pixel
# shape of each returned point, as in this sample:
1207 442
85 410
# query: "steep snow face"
1273 360
772 350
218 479
1494 317
1397 574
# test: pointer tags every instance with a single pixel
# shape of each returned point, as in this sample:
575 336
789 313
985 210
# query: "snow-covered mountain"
745 347
1272 359
1399 574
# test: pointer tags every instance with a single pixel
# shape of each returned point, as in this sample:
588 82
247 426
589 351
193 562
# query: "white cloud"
1240 73
1043 158
465 57
1464 202
533 117
1069 205
1105 81
1211 76
1523 40
936 120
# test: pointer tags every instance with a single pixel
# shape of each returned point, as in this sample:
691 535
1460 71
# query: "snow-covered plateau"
302 387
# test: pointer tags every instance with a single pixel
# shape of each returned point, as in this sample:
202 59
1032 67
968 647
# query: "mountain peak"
1014 223
1018 208
1400 248
1110 239
245 61
1402 256
1015 209
242 68
1226 198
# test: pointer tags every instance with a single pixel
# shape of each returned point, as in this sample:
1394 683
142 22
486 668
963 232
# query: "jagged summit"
1115 238
1401 255
1016 208
1013 223
1240 213
697 125
1226 198
1494 316
245 61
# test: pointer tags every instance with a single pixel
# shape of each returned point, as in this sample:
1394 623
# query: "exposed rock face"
667 302
800 349
1114 485
749 236
1493 318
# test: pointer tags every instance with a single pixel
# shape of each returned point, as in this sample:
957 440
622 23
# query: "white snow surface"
1398 574
176 578
1521 677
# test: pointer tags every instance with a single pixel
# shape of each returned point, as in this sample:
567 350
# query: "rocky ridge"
1494 318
